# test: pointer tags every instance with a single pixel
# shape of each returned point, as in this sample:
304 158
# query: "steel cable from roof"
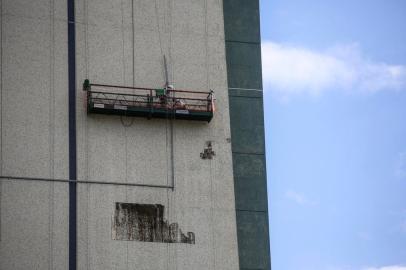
172 129
86 135
51 132
1 104
124 69
169 124
211 161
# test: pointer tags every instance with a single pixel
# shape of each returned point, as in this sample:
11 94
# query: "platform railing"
153 98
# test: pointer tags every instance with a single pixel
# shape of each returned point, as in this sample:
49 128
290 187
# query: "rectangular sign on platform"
96 105
182 111
120 107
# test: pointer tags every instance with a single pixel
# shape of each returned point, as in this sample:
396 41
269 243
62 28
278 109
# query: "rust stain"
145 222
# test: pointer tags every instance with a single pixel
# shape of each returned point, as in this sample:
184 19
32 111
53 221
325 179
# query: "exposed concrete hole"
208 152
145 222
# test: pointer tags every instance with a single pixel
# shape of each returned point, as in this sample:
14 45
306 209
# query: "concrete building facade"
92 191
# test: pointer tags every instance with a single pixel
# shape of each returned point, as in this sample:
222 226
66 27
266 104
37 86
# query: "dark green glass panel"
253 240
247 125
241 20
244 65
250 182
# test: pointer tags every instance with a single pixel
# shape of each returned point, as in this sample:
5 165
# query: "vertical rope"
1 104
86 39
206 39
124 79
168 192
123 41
158 27
51 128
211 161
86 30
171 76
133 38
173 134
125 126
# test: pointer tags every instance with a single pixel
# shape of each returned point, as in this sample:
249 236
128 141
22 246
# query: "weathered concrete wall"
110 37
33 134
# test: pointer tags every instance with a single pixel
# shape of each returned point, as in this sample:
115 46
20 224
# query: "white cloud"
298 198
290 70
392 267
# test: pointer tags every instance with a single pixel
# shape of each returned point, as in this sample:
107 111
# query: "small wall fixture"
208 152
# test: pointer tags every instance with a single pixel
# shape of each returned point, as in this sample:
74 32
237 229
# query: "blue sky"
335 106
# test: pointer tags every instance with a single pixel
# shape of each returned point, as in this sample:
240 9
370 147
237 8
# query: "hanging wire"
158 27
86 124
168 140
172 130
86 38
123 57
211 161
133 39
121 117
51 133
125 125
166 85
1 104
123 41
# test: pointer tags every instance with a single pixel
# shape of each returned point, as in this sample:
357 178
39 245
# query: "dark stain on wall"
145 222
208 152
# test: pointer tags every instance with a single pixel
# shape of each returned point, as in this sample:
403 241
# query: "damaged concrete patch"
208 152
145 222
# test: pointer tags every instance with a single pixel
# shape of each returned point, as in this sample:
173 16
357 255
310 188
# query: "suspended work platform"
149 102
